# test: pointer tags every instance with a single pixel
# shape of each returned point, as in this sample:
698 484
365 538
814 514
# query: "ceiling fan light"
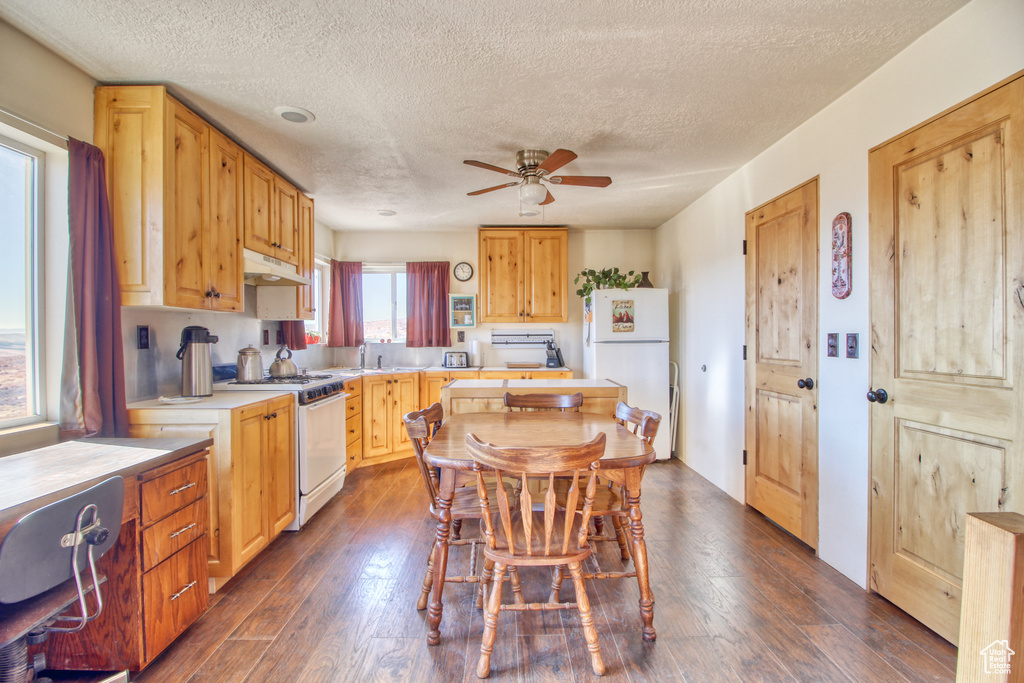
532 192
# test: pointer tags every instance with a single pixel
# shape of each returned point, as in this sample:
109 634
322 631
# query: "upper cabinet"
185 199
524 275
306 311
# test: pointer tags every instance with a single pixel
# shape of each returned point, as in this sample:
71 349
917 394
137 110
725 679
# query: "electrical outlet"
280 337
462 335
833 345
852 346
143 331
266 337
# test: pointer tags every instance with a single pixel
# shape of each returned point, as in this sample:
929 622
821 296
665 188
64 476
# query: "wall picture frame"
461 311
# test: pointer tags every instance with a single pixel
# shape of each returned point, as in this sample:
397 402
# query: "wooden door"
186 213
947 345
306 229
547 278
280 476
285 224
224 246
501 276
405 398
376 410
251 531
258 196
782 354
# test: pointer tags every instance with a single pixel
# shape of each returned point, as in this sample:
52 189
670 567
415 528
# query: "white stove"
319 434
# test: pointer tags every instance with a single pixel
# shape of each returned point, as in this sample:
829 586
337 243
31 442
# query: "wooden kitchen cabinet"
525 374
432 381
306 229
175 197
271 221
524 275
354 422
251 469
386 398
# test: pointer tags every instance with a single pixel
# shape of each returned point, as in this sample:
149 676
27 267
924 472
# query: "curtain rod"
5 114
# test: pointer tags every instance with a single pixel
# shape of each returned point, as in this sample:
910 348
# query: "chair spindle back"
544 401
421 425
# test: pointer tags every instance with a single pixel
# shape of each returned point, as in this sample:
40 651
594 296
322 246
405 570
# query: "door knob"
805 383
878 396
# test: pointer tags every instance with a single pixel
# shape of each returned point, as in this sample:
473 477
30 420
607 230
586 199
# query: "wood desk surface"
448 447
35 478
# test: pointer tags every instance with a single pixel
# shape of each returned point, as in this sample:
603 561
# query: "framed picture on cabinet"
461 310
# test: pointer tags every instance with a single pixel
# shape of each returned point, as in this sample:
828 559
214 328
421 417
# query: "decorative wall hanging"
622 315
842 254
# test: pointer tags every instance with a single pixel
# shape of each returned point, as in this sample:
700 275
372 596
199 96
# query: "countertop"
221 400
354 372
36 476
534 384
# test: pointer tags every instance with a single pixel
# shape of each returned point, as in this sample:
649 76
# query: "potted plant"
608 278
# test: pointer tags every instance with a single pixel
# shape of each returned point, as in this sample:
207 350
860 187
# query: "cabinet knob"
209 294
216 295
520 314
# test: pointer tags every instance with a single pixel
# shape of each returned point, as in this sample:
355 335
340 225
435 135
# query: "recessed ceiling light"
385 212
295 114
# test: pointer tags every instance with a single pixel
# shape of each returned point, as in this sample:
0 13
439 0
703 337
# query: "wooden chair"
421 425
555 544
544 401
610 501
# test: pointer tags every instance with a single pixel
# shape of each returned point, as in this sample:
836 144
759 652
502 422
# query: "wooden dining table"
623 462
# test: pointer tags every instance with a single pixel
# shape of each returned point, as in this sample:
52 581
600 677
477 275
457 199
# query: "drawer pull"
181 488
182 530
182 591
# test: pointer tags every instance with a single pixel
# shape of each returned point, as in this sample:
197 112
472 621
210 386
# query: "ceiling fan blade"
558 159
489 167
584 180
491 189
550 198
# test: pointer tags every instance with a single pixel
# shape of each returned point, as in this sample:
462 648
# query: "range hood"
264 271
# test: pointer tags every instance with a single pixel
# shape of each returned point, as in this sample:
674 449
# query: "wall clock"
463 271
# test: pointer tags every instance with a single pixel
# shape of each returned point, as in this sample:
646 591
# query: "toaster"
456 359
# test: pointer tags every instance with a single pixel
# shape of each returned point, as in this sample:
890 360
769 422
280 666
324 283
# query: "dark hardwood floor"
737 599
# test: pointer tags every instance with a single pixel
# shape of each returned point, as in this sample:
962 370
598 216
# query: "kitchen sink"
394 369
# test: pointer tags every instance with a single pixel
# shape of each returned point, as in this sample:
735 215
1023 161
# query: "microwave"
456 359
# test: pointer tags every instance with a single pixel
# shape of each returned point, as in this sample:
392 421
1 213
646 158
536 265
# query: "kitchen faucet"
362 356
379 359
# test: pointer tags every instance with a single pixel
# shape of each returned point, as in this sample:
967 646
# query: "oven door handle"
324 402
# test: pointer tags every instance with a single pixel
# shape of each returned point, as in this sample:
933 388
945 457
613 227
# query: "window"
21 386
321 301
384 307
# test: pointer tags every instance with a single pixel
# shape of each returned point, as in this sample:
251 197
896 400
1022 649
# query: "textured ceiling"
665 96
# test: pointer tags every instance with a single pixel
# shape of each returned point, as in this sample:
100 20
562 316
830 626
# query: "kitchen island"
487 395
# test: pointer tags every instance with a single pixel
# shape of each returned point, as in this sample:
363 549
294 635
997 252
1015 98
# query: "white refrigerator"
626 341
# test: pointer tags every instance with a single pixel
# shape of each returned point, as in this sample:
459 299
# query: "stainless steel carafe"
196 368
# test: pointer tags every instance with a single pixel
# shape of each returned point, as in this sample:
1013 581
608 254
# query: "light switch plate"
852 346
833 345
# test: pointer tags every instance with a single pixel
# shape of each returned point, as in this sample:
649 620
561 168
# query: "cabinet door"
376 410
280 488
251 531
258 198
405 398
501 276
285 224
546 276
430 387
503 374
224 246
186 212
306 250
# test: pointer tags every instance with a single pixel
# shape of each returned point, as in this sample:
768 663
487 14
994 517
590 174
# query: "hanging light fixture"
531 191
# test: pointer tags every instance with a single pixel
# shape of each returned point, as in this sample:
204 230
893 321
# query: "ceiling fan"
534 166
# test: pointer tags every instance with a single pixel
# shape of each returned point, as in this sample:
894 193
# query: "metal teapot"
283 367
249 366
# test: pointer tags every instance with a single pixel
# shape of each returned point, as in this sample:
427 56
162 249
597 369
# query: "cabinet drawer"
173 533
354 387
353 406
353 429
172 491
174 595
354 451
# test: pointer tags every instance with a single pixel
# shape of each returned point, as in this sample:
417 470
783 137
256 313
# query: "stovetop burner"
291 379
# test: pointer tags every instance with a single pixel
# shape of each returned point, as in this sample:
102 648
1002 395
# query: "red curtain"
427 283
345 325
294 334
92 388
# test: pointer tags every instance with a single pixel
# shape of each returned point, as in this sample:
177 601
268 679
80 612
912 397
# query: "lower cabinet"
251 472
354 422
431 382
386 398
525 374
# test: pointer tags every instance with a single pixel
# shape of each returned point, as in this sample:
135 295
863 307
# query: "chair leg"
456 529
483 667
598 525
517 590
428 581
556 584
485 582
587 619
620 536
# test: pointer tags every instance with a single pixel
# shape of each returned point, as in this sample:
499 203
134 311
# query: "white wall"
626 249
700 251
